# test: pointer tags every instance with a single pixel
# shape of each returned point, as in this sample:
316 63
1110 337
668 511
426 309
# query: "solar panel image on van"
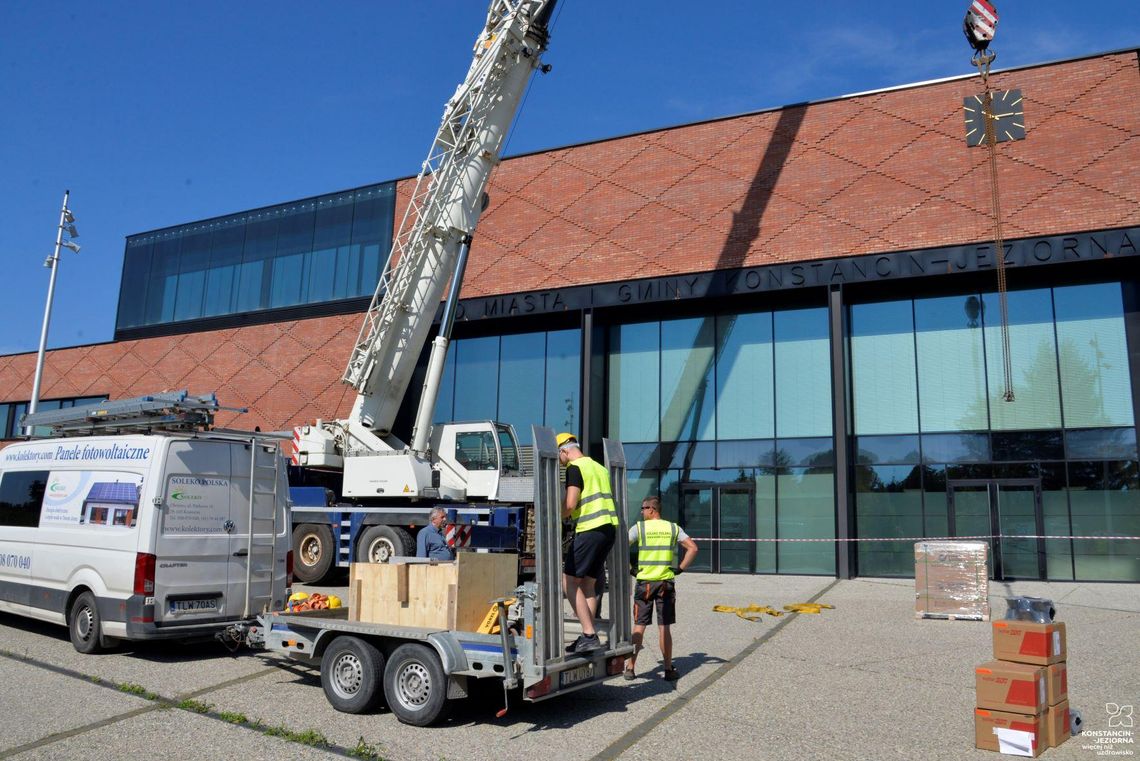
106 499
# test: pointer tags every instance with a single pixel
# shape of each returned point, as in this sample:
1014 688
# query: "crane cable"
982 59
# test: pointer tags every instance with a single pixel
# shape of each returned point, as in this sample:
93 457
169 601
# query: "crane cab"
481 457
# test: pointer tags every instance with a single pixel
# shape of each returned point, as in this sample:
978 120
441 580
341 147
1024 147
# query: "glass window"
816 453
765 520
745 377
803 373
21 497
193 261
1027 445
5 421
688 454
521 370
294 244
888 503
225 264
445 401
872 450
805 510
1102 444
1105 501
687 390
260 244
951 364
746 454
639 485
1093 356
162 282
132 291
332 237
634 382
954 447
1033 360
563 380
475 450
883 381
477 376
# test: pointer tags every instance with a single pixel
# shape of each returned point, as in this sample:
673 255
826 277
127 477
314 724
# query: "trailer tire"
313 552
415 686
352 675
378 544
84 624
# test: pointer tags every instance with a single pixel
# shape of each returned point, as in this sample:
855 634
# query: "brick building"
789 317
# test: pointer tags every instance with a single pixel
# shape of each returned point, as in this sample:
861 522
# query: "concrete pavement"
865 680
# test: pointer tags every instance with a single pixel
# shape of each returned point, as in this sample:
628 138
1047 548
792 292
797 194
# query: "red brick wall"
881 172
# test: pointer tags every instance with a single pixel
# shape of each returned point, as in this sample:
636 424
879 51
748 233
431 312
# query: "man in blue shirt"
430 542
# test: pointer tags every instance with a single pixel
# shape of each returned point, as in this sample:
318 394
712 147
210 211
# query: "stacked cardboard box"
951 580
1022 695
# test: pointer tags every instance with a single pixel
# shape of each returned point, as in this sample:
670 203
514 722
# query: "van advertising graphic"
196 505
92 498
94 454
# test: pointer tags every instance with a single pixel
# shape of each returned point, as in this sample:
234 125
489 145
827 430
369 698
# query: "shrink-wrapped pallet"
951 580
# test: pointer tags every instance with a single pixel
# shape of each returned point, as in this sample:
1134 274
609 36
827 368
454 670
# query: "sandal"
671 675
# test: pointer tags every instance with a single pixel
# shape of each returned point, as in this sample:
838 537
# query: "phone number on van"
23 562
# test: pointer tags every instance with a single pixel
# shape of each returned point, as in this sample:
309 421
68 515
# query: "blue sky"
155 114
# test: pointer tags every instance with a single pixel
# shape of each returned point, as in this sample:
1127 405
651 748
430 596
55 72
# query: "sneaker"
573 646
586 643
628 675
671 675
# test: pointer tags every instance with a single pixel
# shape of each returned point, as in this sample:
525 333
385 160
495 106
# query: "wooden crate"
448 595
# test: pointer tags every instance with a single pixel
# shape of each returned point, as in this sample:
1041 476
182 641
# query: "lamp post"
66 223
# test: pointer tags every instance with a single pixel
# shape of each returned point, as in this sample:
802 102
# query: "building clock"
1008 112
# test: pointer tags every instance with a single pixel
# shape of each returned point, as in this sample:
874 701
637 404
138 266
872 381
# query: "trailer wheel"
352 674
84 624
378 544
313 552
415 686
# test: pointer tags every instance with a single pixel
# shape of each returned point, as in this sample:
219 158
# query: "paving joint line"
630 738
157 703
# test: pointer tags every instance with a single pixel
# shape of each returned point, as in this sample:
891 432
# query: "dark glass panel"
806 498
689 454
477 378
5 421
162 283
642 456
225 266
687 384
132 293
1027 445
563 379
812 453
193 261
888 503
746 454
884 384
955 447
253 280
1102 443
1105 501
872 450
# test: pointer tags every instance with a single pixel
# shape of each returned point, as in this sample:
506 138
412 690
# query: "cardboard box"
449 595
1012 687
1029 642
951 580
1003 732
1056 683
1057 724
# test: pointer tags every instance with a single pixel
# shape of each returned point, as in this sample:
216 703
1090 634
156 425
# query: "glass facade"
728 418
521 379
318 250
940 452
11 412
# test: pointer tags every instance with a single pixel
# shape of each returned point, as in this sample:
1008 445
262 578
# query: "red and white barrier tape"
919 538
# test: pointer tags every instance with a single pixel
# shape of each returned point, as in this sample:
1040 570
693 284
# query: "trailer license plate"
194 606
575 675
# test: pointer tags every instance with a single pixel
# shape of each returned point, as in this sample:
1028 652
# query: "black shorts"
587 555
659 594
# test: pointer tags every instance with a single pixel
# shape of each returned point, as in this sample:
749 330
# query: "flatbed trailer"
417 671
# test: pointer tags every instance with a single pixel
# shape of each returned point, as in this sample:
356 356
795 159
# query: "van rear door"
194 544
259 541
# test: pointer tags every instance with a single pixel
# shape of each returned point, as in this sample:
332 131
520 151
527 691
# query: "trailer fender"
450 652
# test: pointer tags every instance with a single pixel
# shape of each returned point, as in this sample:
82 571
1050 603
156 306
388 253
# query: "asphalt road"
865 680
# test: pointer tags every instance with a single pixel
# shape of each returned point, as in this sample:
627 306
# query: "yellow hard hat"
562 438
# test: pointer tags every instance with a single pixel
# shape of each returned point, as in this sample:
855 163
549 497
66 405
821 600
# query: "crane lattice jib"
444 208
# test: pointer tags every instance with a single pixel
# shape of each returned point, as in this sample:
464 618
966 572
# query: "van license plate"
575 675
194 606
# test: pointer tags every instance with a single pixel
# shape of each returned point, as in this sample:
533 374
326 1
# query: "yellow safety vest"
596 505
656 549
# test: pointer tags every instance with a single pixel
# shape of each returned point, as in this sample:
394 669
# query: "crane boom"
443 211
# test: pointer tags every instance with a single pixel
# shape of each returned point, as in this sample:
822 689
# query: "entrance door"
1005 509
725 512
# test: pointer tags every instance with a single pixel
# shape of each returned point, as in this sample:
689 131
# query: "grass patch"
310 737
365 751
194 706
136 689
233 718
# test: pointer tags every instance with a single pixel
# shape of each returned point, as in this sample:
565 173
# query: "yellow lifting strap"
808 607
749 612
490 623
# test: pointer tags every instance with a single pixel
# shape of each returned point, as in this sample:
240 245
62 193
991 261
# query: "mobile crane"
379 485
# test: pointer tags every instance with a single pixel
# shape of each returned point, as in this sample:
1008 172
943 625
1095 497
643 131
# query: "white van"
143 536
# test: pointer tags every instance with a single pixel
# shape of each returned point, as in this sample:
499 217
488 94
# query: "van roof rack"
168 411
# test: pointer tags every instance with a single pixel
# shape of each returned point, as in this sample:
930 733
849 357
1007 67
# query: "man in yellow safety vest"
590 505
657 566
